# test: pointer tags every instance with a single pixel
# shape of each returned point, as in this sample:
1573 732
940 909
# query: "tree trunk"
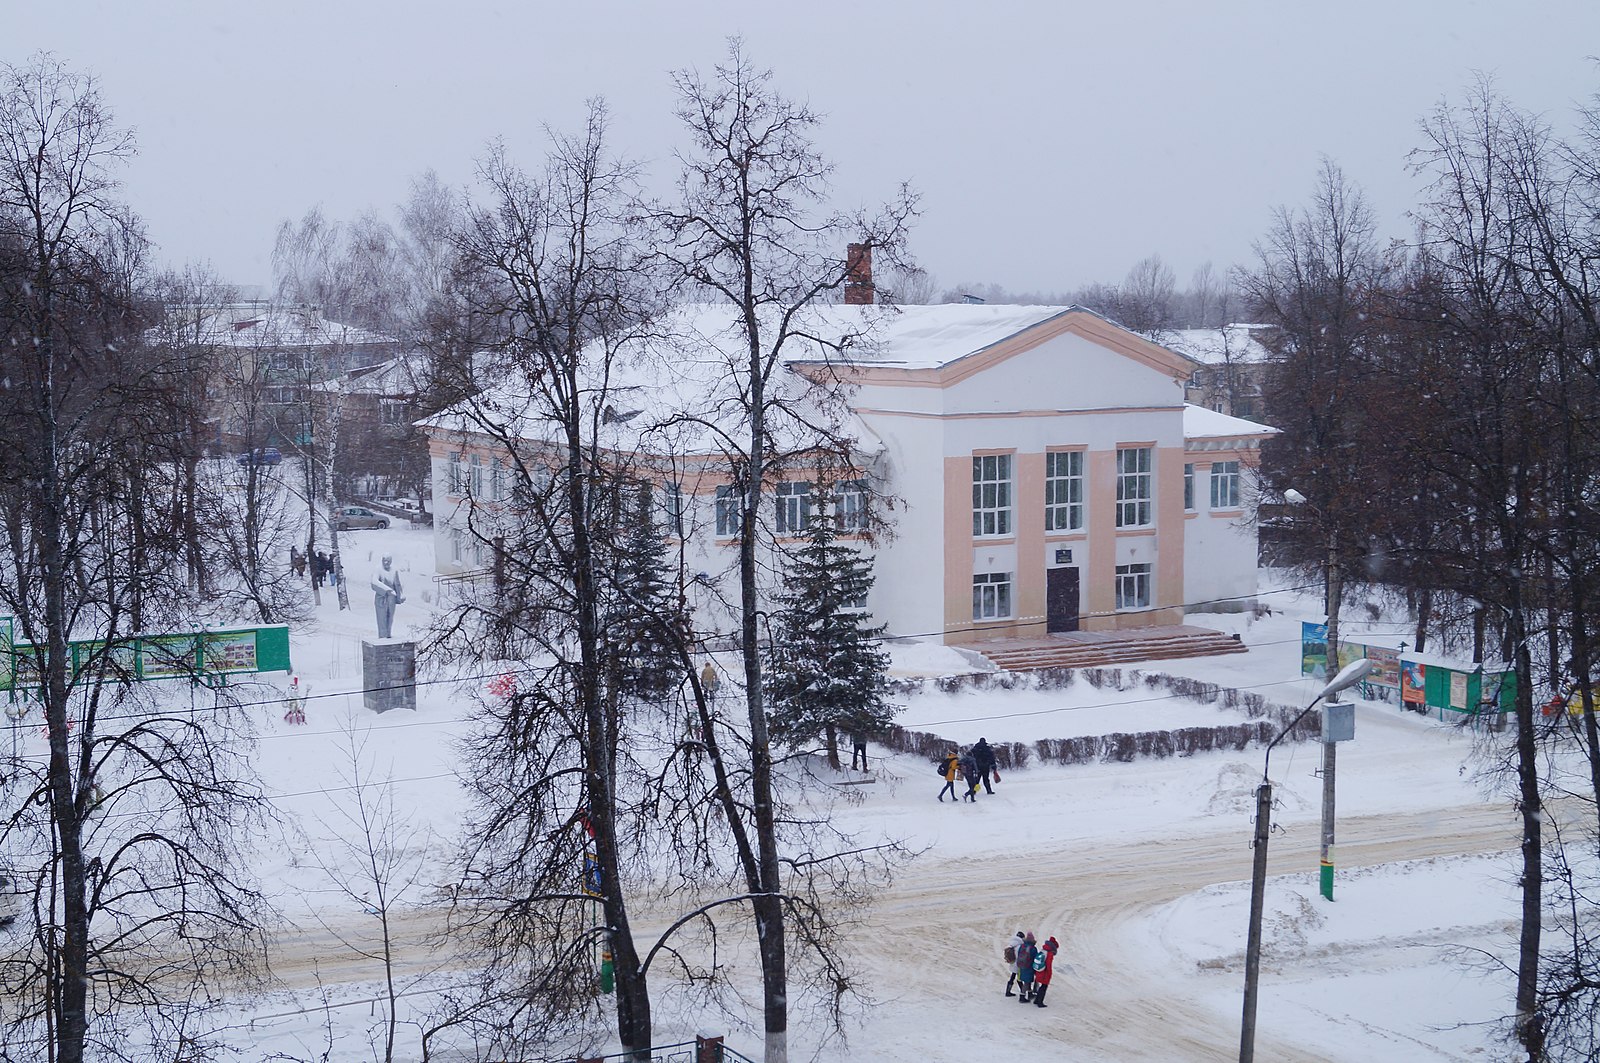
768 905
1530 1024
70 979
1424 615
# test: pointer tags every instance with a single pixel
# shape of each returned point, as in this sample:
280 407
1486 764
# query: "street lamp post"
1349 676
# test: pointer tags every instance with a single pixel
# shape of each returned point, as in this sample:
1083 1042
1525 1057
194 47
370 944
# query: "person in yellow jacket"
951 770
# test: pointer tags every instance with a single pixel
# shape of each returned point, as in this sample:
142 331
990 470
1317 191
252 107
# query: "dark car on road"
261 456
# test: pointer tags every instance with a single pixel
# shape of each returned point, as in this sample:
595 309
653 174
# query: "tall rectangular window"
794 507
991 596
672 508
991 494
1188 488
455 481
477 477
497 480
1225 485
1063 491
850 503
730 511
1133 586
1135 487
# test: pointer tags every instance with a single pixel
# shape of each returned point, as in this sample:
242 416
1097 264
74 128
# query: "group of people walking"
1031 965
975 764
322 567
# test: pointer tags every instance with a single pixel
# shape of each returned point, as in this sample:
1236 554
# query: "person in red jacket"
1043 967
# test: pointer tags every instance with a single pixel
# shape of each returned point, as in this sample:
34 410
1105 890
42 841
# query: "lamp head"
1348 676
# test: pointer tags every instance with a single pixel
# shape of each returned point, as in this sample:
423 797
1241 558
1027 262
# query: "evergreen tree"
826 671
647 660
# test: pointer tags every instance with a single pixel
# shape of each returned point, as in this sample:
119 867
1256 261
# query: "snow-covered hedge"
1268 718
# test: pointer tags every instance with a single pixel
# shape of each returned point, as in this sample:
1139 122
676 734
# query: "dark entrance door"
1061 599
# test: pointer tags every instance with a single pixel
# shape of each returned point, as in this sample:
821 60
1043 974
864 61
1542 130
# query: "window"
1133 586
1225 485
794 507
730 510
497 480
850 501
392 412
455 482
1135 487
1188 488
1063 490
477 477
991 494
991 596
672 508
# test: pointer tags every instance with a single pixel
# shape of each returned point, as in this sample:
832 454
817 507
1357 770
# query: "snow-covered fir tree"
646 603
826 671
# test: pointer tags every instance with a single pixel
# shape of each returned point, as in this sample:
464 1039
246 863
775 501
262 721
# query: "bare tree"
1145 300
376 860
123 835
751 231
1319 282
551 261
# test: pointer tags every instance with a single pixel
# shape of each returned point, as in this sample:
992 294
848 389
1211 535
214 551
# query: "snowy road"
1109 1002
1106 1007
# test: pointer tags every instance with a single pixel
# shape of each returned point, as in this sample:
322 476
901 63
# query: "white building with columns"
1037 466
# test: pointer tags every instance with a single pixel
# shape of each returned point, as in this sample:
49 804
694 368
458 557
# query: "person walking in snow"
1012 949
1025 954
319 568
969 771
983 755
1044 964
951 770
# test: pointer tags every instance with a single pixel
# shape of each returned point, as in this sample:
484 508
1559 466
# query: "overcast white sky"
1055 143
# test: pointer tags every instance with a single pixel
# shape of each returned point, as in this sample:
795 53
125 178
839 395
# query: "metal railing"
700 1050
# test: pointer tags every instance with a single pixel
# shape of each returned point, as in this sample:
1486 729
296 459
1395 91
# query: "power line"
702 640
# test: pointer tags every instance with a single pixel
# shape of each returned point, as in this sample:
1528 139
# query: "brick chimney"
858 288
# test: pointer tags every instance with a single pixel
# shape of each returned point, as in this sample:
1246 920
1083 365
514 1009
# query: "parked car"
261 456
347 517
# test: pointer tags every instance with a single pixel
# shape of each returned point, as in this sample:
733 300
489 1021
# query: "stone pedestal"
389 674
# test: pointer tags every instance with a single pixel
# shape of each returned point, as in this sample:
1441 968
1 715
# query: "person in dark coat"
984 756
858 751
1042 972
319 568
969 771
1025 954
951 770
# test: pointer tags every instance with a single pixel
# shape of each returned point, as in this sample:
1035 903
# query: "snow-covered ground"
1141 870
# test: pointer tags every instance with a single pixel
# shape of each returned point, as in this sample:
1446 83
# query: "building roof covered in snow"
275 326
1205 429
1217 346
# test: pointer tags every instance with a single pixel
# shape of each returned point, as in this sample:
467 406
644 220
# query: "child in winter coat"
1012 950
1025 954
1044 964
951 770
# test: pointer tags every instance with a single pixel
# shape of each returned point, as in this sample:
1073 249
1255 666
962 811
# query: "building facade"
1038 467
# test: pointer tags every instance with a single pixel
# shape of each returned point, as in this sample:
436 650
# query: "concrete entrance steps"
1092 649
